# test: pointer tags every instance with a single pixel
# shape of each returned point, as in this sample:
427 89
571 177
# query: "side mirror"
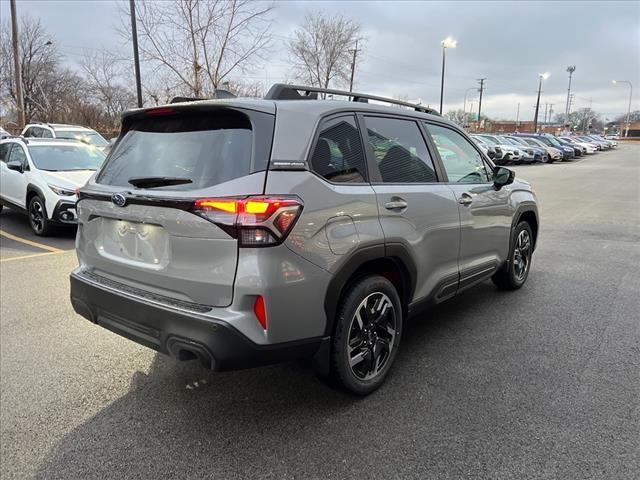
503 176
15 165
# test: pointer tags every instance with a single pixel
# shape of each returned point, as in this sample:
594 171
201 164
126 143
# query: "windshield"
509 141
534 142
492 140
553 141
55 158
520 141
86 136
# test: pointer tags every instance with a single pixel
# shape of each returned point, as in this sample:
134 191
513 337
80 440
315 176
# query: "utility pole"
17 65
550 113
570 70
481 81
136 58
518 116
353 66
546 108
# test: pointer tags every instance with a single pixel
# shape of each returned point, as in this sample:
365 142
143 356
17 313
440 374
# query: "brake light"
160 111
259 221
260 311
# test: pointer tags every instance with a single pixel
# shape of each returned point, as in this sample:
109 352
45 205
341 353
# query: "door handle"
395 204
465 199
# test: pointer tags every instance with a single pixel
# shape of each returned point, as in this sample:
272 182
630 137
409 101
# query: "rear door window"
400 150
207 148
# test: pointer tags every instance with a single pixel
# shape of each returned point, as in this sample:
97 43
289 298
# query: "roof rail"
282 91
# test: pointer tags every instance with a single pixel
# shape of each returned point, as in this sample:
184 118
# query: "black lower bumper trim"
182 335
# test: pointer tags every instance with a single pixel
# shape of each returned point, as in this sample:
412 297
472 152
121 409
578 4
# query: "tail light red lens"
259 221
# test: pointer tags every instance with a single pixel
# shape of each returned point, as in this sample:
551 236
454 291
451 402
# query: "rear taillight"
260 221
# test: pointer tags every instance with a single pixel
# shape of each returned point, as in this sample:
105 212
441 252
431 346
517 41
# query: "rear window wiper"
153 182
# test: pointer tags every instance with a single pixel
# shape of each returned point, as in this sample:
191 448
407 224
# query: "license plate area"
138 244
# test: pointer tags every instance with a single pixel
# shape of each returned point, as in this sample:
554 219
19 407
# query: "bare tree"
40 73
322 49
107 87
201 43
457 116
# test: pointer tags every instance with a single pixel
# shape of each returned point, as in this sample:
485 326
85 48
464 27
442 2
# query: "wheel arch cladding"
396 266
32 191
531 218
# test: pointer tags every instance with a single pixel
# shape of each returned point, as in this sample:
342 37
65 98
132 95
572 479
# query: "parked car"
490 146
527 154
567 152
612 136
553 154
510 153
4 134
588 148
40 178
602 145
60 130
577 149
612 143
540 151
210 233
487 149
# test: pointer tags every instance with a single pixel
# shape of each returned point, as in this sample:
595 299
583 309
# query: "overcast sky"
507 42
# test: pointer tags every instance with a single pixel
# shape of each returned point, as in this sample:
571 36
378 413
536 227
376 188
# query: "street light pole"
136 59
542 76
626 131
570 70
464 106
446 43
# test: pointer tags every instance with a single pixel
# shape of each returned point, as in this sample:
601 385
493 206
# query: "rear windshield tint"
207 148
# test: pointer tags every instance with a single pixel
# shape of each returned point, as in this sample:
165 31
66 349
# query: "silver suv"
246 232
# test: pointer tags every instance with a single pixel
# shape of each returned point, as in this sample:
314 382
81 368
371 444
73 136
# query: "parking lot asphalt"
543 382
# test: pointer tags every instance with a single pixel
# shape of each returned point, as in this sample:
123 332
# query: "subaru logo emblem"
119 200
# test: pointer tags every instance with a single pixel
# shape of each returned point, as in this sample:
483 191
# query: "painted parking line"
32 255
41 246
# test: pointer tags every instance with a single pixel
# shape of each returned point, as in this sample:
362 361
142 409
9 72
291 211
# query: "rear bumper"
182 334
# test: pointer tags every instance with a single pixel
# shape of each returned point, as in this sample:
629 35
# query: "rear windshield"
56 158
206 148
92 138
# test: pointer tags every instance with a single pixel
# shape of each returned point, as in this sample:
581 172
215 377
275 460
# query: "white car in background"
40 177
62 130
591 147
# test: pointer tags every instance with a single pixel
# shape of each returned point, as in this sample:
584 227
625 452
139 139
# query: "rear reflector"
260 311
259 221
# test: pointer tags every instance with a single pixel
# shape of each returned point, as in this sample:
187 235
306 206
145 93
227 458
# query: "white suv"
40 177
62 130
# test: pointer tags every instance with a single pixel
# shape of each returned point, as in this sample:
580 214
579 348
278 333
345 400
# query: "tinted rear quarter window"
208 148
338 155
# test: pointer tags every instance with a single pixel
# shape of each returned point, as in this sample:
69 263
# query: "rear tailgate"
148 238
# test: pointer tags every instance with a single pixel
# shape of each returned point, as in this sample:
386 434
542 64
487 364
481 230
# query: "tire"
365 342
38 218
516 270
